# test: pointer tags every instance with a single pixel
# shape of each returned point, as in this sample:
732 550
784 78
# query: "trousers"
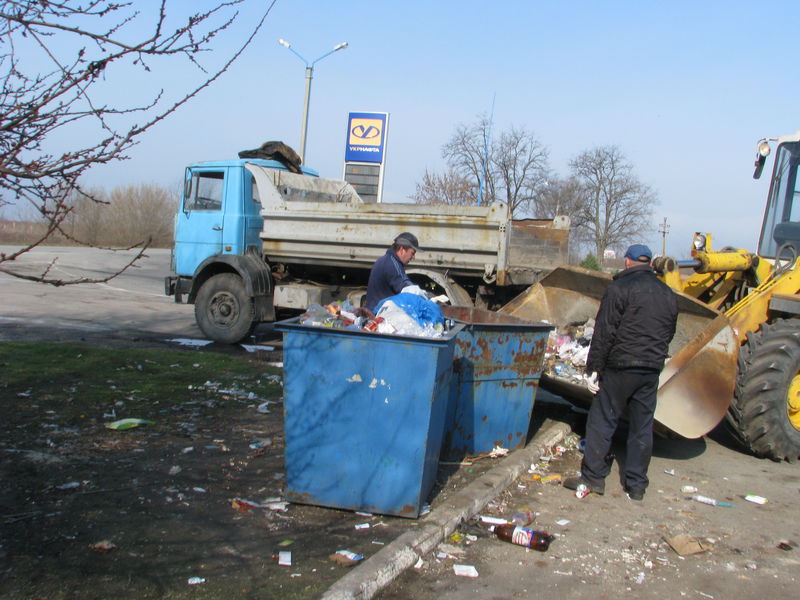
634 390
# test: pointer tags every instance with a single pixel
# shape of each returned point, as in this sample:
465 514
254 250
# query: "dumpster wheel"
223 309
765 412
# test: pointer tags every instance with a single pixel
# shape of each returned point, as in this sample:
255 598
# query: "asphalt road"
132 302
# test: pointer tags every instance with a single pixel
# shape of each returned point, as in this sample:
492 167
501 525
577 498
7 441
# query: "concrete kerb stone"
375 573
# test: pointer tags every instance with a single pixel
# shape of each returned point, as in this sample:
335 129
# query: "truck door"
200 222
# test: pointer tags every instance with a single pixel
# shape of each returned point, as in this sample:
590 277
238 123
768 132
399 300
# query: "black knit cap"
409 240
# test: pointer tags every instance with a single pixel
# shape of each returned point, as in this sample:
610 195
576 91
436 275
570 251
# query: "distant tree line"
608 206
126 216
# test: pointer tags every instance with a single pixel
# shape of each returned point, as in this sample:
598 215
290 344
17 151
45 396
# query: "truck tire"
765 412
223 310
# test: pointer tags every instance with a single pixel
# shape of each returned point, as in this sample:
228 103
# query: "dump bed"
310 220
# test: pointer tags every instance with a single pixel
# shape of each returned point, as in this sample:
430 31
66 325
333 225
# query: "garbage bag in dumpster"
364 416
497 364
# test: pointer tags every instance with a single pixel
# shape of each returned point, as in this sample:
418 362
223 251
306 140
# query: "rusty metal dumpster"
364 417
497 364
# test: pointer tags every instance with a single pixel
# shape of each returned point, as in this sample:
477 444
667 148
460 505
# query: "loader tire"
765 412
223 309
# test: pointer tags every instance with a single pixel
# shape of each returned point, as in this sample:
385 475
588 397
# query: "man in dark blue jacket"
633 328
388 274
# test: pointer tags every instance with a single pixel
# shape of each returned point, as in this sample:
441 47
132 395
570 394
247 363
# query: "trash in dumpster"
403 314
522 536
567 350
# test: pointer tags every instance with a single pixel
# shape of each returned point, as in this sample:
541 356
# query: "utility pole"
663 230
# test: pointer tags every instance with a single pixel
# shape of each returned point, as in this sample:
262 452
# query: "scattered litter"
69 486
492 520
362 526
364 514
685 545
688 489
199 490
285 558
640 578
174 470
419 564
562 522
279 505
451 550
189 342
497 452
711 501
786 545
704 595
670 472
755 499
187 450
130 423
196 580
263 408
377 543
465 570
243 506
345 558
426 508
554 478
251 348
441 555
24 394
103 546
285 543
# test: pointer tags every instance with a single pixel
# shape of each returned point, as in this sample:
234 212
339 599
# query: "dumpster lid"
479 316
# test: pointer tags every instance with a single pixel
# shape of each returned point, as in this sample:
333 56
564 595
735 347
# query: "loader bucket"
696 385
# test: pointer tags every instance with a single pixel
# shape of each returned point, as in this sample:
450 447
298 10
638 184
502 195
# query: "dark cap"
409 240
639 253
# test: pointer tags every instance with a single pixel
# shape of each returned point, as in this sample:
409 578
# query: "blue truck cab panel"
218 214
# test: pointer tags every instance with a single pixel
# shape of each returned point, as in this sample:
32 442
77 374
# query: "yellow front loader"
736 354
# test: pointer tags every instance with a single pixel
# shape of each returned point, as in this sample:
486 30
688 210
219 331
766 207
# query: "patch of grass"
80 382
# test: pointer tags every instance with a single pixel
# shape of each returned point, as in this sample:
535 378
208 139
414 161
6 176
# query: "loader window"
782 216
205 192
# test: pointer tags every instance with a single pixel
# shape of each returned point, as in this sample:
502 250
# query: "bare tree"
140 211
448 188
617 208
56 61
515 164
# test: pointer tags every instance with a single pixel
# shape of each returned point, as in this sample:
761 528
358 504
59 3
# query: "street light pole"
309 77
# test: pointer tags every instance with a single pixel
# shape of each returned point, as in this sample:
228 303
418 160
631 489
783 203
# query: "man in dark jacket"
633 328
388 274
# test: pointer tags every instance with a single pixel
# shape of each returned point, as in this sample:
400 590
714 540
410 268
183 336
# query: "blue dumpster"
364 416
497 364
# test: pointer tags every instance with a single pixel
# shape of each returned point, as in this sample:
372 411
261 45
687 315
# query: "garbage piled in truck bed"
567 351
407 313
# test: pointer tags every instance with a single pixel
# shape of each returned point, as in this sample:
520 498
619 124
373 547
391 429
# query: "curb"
382 568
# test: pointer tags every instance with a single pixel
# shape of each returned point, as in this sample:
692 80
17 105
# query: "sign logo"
366 132
366 137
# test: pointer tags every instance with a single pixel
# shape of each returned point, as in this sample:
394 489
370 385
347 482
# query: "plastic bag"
409 314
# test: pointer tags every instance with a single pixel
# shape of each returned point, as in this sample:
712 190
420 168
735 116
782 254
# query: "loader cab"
780 233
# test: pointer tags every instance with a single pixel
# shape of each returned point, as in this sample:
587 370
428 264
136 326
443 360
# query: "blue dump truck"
254 239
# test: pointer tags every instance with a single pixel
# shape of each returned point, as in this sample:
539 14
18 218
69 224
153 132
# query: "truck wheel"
765 412
223 309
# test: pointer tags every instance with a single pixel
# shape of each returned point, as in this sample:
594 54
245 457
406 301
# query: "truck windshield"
781 225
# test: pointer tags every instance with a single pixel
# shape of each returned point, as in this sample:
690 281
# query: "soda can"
581 491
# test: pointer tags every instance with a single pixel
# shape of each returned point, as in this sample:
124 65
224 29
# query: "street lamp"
309 75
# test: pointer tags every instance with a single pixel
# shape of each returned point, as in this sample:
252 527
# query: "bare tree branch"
85 43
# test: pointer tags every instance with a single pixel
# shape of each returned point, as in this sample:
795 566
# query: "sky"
684 89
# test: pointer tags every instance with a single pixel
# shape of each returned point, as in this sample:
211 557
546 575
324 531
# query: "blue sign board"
366 137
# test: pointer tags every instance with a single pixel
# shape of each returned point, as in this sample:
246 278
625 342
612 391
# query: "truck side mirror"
187 193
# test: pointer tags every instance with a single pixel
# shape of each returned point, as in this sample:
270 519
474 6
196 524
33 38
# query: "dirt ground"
89 512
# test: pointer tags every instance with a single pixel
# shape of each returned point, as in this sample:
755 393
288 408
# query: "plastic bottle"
523 516
711 501
521 536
